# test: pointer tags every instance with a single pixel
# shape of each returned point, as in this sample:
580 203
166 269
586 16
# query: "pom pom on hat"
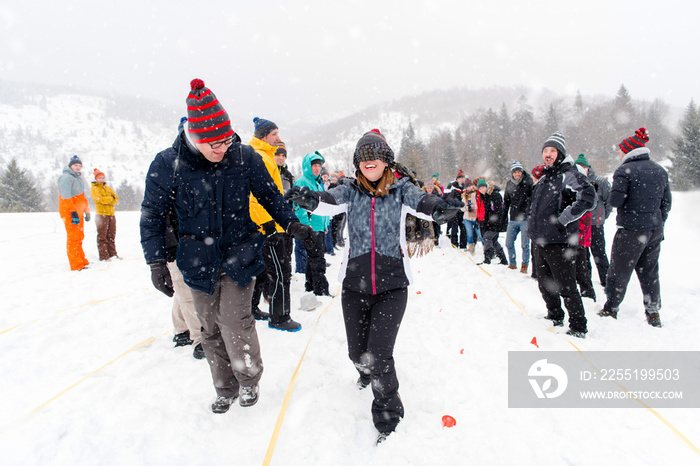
640 138
73 160
460 173
263 127
207 119
98 173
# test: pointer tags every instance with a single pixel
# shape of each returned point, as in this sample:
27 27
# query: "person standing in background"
73 208
105 199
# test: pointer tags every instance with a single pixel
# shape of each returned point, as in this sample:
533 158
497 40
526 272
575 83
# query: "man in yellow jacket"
105 199
275 281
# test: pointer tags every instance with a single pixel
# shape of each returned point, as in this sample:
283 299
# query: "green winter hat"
436 175
481 182
581 160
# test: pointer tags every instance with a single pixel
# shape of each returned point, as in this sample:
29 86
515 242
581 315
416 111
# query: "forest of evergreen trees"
486 142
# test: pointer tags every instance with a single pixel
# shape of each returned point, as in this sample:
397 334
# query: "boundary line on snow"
35 410
290 388
97 301
649 408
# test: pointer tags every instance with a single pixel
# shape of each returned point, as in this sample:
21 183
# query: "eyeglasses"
217 144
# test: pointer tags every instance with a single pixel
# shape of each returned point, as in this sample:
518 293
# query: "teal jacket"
314 183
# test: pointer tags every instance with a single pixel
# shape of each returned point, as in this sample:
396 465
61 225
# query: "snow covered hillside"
90 375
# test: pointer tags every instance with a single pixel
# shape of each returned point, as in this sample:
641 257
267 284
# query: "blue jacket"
314 183
562 195
640 192
211 202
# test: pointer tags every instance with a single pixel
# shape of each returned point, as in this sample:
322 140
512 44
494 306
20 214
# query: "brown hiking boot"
523 268
607 313
512 267
653 319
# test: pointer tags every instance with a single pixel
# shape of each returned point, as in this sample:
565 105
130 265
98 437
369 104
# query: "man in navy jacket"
641 194
207 176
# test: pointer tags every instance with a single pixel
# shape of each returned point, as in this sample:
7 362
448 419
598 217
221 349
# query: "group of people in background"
74 211
220 221
559 211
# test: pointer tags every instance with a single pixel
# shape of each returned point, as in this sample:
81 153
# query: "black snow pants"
372 324
556 278
636 251
275 281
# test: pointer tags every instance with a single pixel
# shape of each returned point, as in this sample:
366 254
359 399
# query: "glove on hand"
74 218
87 216
270 232
303 233
446 209
304 197
160 276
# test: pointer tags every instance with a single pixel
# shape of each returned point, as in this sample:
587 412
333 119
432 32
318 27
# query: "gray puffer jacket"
376 252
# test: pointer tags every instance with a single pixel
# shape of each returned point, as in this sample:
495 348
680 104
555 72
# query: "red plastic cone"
534 341
475 296
461 351
448 421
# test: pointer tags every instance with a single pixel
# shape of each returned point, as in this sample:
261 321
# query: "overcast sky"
289 59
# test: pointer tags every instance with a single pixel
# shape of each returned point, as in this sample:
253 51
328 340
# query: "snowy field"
89 375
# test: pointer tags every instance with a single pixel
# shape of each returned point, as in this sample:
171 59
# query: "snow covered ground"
89 375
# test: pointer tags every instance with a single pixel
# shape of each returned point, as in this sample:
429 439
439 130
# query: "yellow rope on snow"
288 395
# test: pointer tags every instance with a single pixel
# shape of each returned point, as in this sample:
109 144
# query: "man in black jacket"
516 202
559 199
454 191
641 194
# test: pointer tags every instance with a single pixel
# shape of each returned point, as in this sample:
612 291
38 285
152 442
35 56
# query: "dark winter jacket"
454 190
287 177
559 199
516 198
494 212
603 209
377 259
211 202
640 192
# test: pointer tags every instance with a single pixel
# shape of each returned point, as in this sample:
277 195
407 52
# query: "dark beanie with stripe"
640 138
207 120
263 127
372 146
557 141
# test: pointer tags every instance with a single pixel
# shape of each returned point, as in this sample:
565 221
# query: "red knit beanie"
206 118
97 173
640 138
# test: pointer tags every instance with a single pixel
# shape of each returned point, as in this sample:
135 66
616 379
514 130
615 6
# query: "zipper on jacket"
371 226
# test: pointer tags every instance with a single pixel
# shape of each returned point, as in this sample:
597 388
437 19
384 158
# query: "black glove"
74 218
87 216
160 276
303 197
561 228
303 233
446 209
270 232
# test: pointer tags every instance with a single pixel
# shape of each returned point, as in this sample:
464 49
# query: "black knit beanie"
372 146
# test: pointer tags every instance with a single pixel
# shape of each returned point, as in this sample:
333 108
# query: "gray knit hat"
516 166
207 119
557 141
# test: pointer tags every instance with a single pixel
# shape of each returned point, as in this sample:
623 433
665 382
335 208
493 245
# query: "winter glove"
561 228
303 233
160 276
87 216
446 209
303 197
74 218
270 232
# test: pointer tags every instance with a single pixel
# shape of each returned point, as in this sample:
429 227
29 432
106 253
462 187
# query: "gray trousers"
183 313
229 338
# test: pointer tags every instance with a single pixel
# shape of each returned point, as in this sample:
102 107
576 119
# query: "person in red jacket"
73 207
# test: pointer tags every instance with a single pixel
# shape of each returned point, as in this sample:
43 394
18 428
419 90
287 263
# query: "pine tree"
412 152
18 192
685 173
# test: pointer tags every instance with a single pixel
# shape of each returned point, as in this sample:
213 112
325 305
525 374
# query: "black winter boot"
258 314
182 339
